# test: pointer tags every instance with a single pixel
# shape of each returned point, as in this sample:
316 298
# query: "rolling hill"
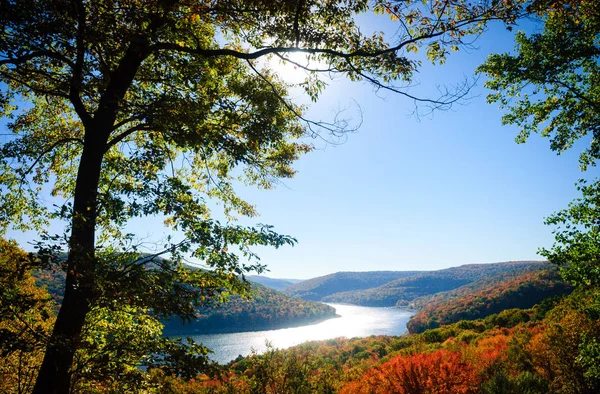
273 283
268 309
402 291
317 288
487 297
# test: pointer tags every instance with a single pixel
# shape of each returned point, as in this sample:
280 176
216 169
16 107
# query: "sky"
408 193
412 193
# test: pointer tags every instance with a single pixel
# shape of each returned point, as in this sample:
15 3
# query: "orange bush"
440 372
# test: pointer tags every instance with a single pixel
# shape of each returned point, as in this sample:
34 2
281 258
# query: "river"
355 321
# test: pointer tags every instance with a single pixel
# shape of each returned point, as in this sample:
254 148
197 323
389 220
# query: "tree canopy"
551 86
135 108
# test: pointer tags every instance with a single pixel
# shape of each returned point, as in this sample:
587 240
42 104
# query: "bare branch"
436 104
333 128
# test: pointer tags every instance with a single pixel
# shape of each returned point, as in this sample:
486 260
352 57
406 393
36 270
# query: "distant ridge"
487 297
273 283
317 288
399 288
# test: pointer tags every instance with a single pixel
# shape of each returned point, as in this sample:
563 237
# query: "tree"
554 80
135 108
26 317
441 372
551 86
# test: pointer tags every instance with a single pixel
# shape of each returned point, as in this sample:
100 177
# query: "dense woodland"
551 348
317 289
266 309
263 309
411 285
487 298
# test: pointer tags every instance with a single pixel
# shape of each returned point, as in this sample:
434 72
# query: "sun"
293 69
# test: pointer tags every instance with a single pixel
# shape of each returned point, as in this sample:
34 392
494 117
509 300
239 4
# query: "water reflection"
355 321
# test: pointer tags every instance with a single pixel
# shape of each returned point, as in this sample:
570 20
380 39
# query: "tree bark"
55 373
80 289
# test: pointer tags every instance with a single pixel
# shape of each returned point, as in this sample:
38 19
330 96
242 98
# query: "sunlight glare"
291 71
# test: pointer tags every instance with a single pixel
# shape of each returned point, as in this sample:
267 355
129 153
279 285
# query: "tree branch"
576 92
436 103
25 58
331 127
336 53
48 150
125 134
77 76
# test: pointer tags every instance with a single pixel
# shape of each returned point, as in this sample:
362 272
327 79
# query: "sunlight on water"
355 321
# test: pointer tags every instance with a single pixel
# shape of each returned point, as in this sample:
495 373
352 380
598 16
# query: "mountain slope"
317 288
486 298
268 309
273 283
402 291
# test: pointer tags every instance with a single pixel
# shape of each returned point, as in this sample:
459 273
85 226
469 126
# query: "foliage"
551 85
26 318
441 371
567 345
523 291
493 355
139 108
403 291
576 247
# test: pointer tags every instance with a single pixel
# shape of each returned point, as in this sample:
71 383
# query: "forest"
405 290
491 297
266 309
551 348
317 289
262 309
114 112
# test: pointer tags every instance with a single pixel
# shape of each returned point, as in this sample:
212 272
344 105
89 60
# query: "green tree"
26 318
134 108
551 86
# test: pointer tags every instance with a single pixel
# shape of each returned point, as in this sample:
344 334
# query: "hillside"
273 283
269 309
401 292
548 349
487 297
317 288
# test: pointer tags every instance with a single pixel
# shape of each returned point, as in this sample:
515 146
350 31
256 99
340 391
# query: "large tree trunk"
54 375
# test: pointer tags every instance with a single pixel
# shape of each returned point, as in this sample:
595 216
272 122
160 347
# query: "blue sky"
404 193
407 194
